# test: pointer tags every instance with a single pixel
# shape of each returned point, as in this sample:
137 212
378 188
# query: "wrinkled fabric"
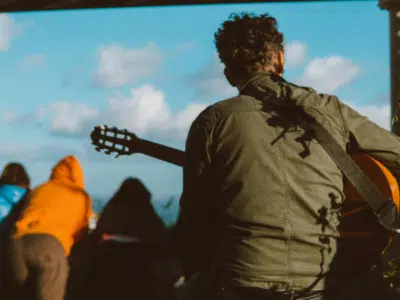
59 207
261 199
38 268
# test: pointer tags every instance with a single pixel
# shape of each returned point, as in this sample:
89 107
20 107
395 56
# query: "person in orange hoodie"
56 216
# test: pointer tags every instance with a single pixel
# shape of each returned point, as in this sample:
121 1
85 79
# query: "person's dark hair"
15 173
128 208
134 191
247 42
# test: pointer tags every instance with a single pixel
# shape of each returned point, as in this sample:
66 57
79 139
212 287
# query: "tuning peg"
108 152
116 156
97 149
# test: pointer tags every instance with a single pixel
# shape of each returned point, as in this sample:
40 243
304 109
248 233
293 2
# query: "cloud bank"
144 109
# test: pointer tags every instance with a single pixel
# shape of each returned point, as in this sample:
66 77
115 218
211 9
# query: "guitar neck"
161 152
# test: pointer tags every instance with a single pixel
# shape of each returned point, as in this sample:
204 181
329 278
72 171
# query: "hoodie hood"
69 170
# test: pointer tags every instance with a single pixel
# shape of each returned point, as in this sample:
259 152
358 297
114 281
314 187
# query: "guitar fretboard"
161 152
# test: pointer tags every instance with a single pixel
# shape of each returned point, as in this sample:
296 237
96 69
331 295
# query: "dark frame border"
43 5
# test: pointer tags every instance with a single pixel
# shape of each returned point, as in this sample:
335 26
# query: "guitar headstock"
114 140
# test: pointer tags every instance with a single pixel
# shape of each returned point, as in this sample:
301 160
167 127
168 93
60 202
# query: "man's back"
261 198
275 193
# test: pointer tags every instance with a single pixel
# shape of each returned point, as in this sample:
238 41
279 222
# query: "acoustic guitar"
363 239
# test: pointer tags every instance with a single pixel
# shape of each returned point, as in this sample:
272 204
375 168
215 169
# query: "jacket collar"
266 82
262 82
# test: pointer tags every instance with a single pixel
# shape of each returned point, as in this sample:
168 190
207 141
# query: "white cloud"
33 61
295 53
119 66
9 29
328 74
65 118
143 111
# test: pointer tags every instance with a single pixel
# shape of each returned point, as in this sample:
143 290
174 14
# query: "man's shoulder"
222 108
230 105
309 97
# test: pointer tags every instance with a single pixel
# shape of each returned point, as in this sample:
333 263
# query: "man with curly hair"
259 210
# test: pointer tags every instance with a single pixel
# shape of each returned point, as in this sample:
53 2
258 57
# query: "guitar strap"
383 207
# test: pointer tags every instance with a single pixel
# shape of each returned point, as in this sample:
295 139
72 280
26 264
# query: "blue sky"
151 70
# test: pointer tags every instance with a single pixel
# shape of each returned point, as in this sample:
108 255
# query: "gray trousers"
38 268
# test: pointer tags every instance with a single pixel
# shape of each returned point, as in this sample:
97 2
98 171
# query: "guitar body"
363 239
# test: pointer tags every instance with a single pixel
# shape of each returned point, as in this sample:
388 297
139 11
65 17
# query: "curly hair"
246 42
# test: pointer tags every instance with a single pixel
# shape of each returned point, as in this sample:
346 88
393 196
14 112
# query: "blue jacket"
9 196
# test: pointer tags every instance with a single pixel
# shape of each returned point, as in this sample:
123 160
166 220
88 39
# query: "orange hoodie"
59 207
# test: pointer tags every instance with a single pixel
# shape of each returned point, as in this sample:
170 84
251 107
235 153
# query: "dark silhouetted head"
131 212
132 189
248 44
15 174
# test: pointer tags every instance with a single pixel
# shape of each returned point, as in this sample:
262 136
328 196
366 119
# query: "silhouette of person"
130 212
133 257
14 186
55 216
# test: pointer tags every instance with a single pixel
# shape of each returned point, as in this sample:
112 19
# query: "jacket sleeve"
192 227
365 136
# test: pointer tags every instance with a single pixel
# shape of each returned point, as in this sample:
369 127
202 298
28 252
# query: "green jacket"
253 205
